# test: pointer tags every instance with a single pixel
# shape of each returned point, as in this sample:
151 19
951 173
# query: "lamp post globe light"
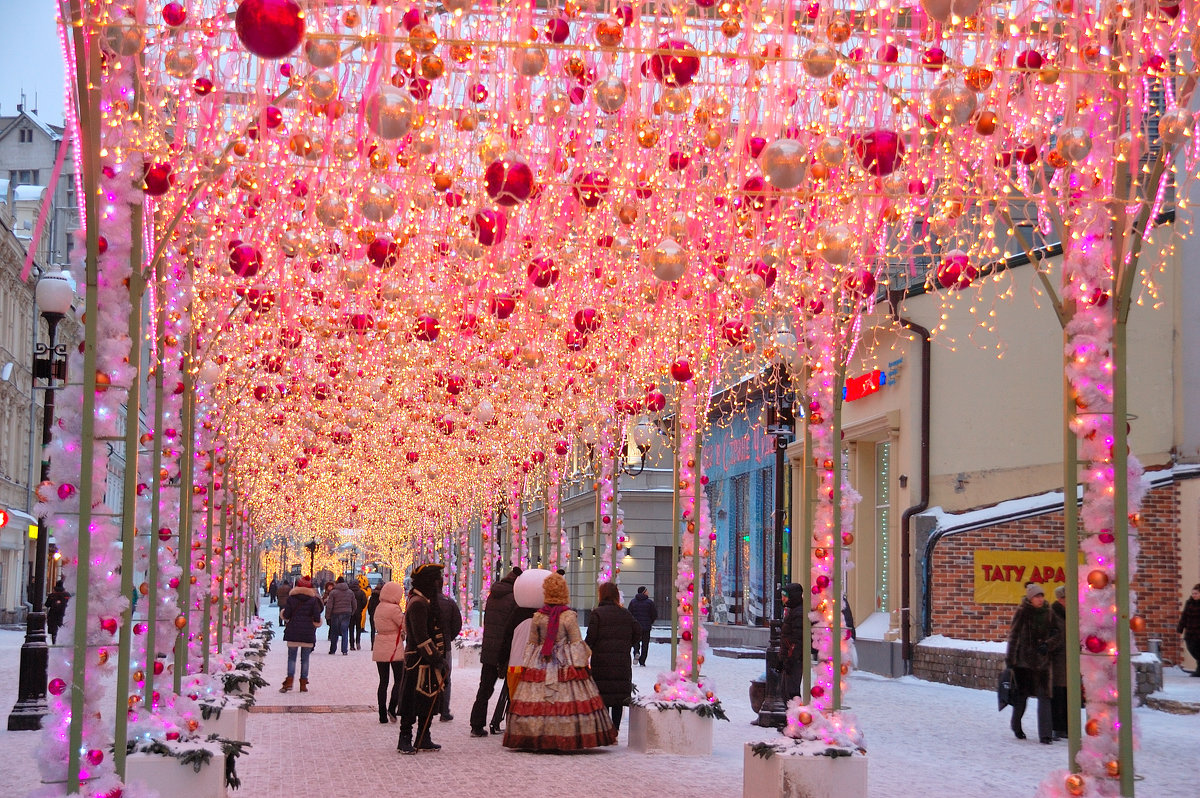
53 296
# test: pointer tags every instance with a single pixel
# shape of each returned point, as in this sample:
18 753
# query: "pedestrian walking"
387 649
791 642
302 614
1189 627
498 613
356 616
556 706
372 604
611 632
273 591
645 613
424 661
281 596
1033 639
1058 697
56 610
339 606
452 621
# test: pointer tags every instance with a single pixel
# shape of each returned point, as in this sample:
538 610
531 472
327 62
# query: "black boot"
405 745
426 744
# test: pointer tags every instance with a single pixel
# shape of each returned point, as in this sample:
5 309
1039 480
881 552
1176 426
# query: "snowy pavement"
924 740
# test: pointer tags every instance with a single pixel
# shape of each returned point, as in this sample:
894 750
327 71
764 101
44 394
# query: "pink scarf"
552 627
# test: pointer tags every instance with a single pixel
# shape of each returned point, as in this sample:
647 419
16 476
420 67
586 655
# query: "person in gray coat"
339 605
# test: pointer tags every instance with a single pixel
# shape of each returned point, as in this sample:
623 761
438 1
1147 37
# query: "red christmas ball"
174 14
589 188
1030 59
734 332
383 252
758 194
557 30
57 687
489 226
361 322
934 59
270 28
575 340
861 282
1094 644
655 401
681 370
427 328
245 260
560 447
502 305
676 64
587 320
508 181
879 151
543 272
955 271
157 178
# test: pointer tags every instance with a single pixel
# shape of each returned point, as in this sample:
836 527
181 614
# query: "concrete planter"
784 776
165 775
669 731
230 724
467 657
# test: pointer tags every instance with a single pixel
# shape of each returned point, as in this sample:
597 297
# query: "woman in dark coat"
1189 626
611 633
302 613
1035 637
56 610
791 641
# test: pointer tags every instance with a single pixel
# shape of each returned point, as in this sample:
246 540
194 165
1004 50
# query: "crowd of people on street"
560 690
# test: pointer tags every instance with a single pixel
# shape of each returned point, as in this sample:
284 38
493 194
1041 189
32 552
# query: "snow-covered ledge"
230 724
168 776
801 773
669 731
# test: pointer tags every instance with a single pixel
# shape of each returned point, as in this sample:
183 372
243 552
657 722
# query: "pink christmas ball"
676 64
589 188
557 30
508 180
270 28
174 14
861 282
245 260
543 272
734 332
95 756
66 491
57 687
880 152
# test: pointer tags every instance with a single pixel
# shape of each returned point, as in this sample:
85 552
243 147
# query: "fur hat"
1034 589
1060 592
555 590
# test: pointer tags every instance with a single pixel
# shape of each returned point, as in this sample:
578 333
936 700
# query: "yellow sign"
1001 576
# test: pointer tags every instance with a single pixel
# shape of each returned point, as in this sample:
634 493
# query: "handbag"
1005 688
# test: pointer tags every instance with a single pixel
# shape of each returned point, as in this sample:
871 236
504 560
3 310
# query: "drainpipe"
922 504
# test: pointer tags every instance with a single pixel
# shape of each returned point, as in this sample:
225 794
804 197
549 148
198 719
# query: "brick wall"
955 614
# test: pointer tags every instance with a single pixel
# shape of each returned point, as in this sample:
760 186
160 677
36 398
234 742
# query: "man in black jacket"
451 625
424 660
360 604
497 640
644 612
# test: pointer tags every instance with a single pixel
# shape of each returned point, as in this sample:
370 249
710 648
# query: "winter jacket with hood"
1034 638
340 600
302 609
497 631
611 632
643 611
389 624
791 633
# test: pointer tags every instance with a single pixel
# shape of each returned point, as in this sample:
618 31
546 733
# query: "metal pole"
675 541
137 287
696 619
155 495
1071 543
184 552
612 525
27 713
89 100
220 548
1121 530
835 630
206 624
806 534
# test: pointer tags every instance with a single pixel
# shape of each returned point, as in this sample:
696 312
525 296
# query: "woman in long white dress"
556 706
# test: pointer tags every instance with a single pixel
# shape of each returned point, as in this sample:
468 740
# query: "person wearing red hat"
302 614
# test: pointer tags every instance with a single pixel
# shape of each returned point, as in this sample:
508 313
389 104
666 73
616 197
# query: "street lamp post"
53 296
312 555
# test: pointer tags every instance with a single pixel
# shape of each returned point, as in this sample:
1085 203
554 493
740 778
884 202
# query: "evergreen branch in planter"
763 750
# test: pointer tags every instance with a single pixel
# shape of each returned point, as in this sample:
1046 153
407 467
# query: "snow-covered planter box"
467 657
669 731
170 776
228 722
792 769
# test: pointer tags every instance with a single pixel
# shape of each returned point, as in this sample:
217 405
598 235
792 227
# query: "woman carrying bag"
302 613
